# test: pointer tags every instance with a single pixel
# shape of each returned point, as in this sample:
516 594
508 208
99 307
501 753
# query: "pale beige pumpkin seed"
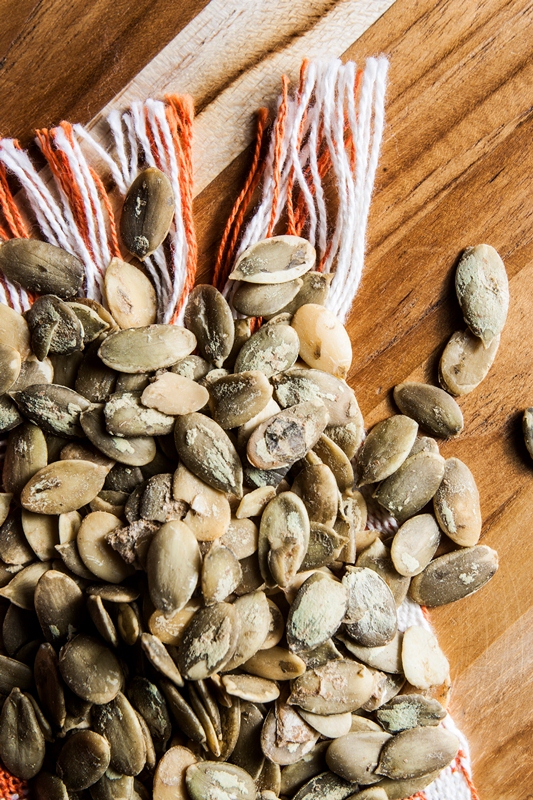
63 486
95 552
324 342
173 566
174 394
279 259
414 544
483 291
424 663
130 295
465 362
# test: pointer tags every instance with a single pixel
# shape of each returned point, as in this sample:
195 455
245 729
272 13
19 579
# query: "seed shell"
483 291
41 267
456 504
431 407
209 317
465 362
147 212
454 575
279 259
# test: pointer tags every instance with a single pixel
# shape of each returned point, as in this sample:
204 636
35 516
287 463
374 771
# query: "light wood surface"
455 170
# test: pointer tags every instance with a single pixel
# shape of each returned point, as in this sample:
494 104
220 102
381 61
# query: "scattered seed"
273 349
483 291
146 349
385 448
456 504
431 407
412 486
454 575
424 663
147 212
465 362
279 259
209 317
417 752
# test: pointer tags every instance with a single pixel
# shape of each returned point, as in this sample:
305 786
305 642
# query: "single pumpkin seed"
14 547
49 787
41 531
173 566
410 711
41 267
130 295
21 588
157 503
315 289
10 365
170 629
146 349
134 451
182 712
247 752
90 669
10 416
95 552
317 487
325 546
387 657
92 323
236 399
334 688
22 745
355 756
269 781
416 752
316 612
331 726
174 394
326 785
63 486
337 460
148 700
324 342
14 331
431 407
424 663
273 349
218 782
209 317
102 620
276 663
465 362
118 723
483 291
251 688
285 736
297 385
371 613
94 380
207 451
83 760
112 786
54 328
454 575
209 641
456 504
129 382
385 448
377 557
169 778
59 606
55 409
263 300
414 545
192 367
147 212
125 415
208 511
279 259
70 557
348 437
253 617
221 574
128 624
112 593
294 776
287 436
283 538
26 453
412 486
33 371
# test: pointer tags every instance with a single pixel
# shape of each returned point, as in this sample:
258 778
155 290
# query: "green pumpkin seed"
385 448
148 700
348 437
315 289
22 745
317 487
371 610
431 407
209 317
273 349
325 785
247 752
209 641
218 781
49 787
465 362
325 546
63 486
263 300
41 267
279 259
410 711
146 349
126 416
55 409
454 575
416 752
118 723
355 756
83 760
112 787
54 327
59 605
90 670
251 688
14 675
147 212
331 726
95 551
297 385
236 399
337 460
185 717
14 547
26 453
377 557
316 612
285 736
483 291
287 436
207 451
135 451
276 663
21 588
94 380
456 504
412 486
9 414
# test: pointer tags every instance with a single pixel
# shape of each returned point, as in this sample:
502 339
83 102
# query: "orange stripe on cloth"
233 227
180 116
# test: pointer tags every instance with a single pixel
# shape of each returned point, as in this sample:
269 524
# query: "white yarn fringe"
327 101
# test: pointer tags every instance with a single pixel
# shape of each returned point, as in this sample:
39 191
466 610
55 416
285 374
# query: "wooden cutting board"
456 169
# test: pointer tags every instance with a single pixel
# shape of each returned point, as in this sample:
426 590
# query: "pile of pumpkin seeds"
193 604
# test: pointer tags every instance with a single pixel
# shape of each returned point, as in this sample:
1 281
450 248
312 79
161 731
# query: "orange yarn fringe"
11 786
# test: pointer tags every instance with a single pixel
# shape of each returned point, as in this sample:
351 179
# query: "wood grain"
455 170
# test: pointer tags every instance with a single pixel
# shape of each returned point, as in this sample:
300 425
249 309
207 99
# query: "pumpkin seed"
297 385
102 620
26 453
49 787
327 785
410 711
348 437
279 259
209 317
182 712
456 504
287 436
126 416
236 399
112 787
22 745
273 349
283 538
10 365
54 327
146 349
253 617
385 448
316 612
90 670
221 574
324 342
63 486
248 753
14 547
276 664
95 552
118 723
83 760
325 546
9 414
209 641
134 451
14 331
147 212
416 752
251 688
174 394
285 736
218 781
148 700
355 756
331 726
173 566
130 295
527 428
483 291
317 487
315 289
41 267
208 514
94 380
55 409
58 605
412 486
263 300
431 407
14 675
454 575
21 588
465 362
424 663
337 460
169 778
336 687
414 545
377 557
207 451
371 611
